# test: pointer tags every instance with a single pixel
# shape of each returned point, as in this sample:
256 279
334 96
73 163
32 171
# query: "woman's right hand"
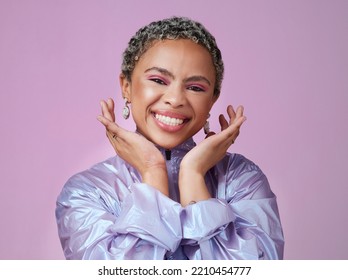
135 149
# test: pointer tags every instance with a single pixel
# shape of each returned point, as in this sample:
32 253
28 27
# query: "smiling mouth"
169 121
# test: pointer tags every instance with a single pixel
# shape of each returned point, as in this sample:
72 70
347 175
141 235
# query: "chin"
166 141
168 144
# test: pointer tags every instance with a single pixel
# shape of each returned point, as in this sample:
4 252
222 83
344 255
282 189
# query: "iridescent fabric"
106 212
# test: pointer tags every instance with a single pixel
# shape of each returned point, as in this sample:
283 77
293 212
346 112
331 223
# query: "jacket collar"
178 151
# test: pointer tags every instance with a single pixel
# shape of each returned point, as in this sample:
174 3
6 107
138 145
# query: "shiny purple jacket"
106 212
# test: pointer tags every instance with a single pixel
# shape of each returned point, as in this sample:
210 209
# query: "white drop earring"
206 126
126 110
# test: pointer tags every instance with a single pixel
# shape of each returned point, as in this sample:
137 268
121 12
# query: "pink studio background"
286 62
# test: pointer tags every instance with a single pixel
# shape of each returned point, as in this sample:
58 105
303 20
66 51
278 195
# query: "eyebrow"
165 72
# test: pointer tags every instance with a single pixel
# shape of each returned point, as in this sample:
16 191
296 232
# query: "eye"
158 81
196 88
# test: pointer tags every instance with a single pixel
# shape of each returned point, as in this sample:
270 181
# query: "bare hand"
135 149
205 155
212 149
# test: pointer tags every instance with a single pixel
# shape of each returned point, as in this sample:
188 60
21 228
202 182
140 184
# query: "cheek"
142 98
202 108
143 94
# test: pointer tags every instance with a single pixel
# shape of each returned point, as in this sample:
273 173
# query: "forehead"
176 55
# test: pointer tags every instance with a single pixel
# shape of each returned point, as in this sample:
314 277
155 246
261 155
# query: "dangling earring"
207 126
126 111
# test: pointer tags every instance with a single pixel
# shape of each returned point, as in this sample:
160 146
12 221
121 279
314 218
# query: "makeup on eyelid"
164 81
156 77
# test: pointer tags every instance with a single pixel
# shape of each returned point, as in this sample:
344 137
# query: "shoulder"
239 164
110 177
243 178
235 165
97 173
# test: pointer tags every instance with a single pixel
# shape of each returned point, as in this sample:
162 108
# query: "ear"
125 87
214 99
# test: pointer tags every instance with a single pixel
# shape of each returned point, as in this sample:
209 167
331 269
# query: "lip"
171 114
170 128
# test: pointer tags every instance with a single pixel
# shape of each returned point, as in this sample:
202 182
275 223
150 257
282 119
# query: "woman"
162 196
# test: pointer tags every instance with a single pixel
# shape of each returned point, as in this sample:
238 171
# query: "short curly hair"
171 29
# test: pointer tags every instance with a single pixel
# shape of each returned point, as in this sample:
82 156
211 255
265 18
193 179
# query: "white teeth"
168 120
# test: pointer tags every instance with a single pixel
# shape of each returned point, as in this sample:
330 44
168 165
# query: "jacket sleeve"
93 224
241 223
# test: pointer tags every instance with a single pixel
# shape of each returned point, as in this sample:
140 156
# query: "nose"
175 97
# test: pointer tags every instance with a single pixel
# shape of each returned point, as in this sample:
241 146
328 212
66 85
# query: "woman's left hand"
214 147
206 154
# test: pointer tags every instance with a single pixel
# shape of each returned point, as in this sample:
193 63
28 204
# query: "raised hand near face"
135 149
206 154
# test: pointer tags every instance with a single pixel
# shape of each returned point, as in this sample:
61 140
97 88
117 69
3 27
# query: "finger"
110 126
111 136
115 130
211 133
105 110
223 122
240 111
111 107
233 130
238 122
231 113
114 139
110 103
